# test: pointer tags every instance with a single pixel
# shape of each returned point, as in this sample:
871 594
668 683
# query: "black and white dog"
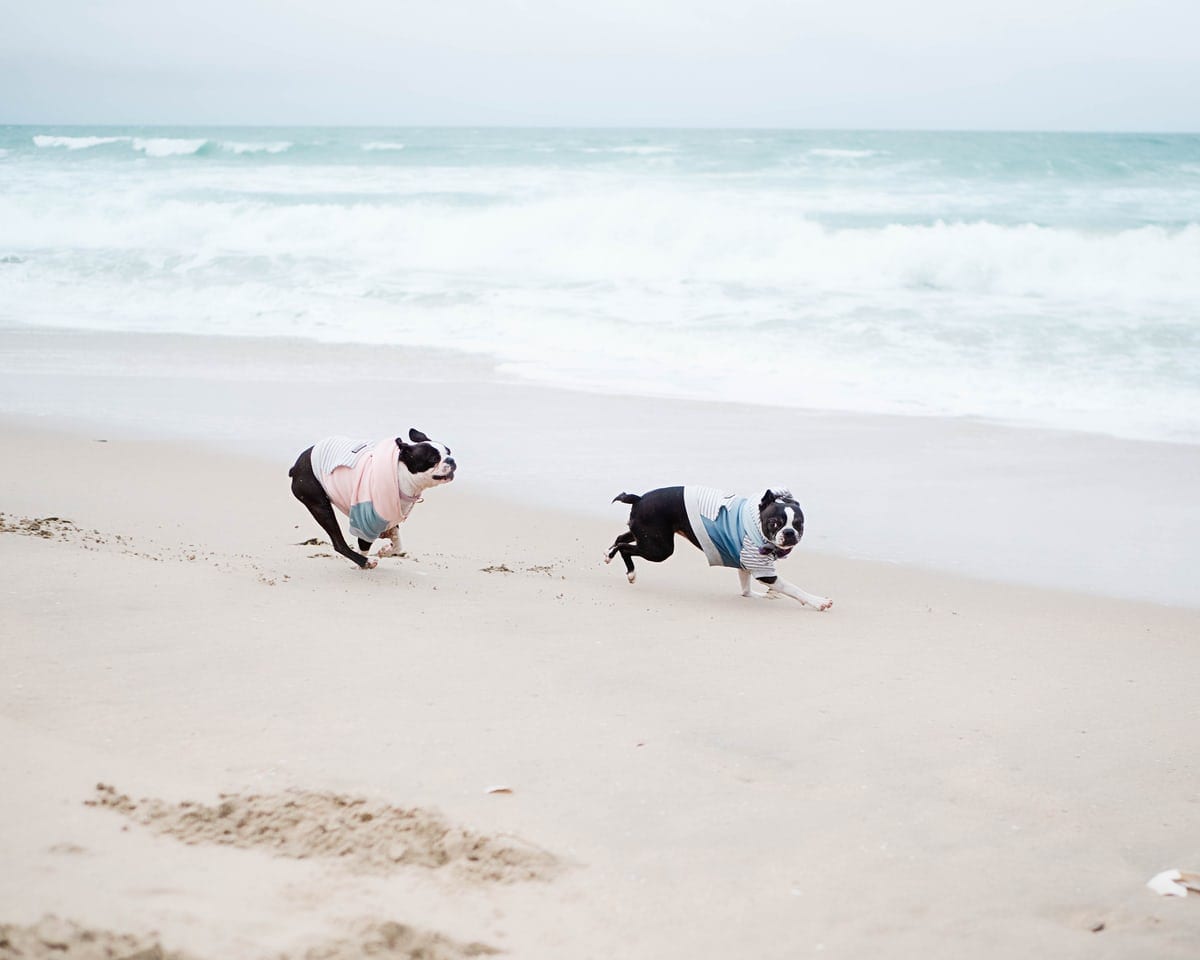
732 531
374 483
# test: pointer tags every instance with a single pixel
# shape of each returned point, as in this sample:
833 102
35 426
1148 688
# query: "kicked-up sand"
222 741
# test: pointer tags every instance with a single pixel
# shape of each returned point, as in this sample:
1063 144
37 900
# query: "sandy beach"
301 759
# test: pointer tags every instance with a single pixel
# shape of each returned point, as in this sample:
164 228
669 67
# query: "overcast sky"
935 64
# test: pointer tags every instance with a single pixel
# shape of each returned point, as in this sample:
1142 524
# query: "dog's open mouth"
445 477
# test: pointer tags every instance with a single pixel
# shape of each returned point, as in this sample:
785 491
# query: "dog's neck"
410 487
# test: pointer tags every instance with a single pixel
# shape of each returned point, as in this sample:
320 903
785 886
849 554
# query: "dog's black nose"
449 461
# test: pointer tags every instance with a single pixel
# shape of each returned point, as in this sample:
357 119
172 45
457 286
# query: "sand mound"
48 528
396 940
53 937
365 835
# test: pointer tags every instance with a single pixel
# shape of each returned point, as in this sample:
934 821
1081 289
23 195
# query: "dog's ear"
400 443
416 436
776 493
768 498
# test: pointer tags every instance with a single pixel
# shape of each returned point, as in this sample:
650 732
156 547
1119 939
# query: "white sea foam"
167 146
660 236
382 145
76 143
233 146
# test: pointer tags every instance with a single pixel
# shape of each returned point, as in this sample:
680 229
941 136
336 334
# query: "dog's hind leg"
308 490
649 546
625 538
324 515
626 550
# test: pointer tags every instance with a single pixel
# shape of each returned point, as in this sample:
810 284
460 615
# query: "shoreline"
1013 504
710 776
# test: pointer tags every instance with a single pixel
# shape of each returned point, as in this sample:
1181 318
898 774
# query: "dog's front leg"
777 585
747 590
392 549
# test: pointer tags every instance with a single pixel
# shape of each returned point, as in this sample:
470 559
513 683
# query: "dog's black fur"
654 520
416 457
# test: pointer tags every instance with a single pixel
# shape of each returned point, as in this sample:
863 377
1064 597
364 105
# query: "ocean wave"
168 146
233 146
841 153
76 143
382 145
636 150
643 150
756 241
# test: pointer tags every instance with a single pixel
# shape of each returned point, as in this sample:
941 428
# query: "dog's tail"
291 471
629 498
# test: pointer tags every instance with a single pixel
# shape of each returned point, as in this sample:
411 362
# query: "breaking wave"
76 143
233 146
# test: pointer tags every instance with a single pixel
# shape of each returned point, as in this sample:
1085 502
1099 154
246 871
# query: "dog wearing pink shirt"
375 483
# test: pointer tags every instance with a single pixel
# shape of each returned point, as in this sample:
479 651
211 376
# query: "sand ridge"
53 936
398 941
366 836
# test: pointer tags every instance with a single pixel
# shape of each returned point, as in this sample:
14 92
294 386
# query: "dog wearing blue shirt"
731 530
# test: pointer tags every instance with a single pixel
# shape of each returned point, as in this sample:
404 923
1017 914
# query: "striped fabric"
728 529
336 452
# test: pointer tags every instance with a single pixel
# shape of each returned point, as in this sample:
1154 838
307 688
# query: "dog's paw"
371 564
607 558
631 577
387 550
821 603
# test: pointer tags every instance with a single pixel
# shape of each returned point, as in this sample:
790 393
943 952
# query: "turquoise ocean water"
1038 279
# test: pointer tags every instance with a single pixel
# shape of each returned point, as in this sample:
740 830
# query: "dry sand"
936 767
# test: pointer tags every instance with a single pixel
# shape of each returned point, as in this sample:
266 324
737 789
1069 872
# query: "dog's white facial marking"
782 539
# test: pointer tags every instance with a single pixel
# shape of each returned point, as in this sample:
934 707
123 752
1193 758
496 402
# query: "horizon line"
610 127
